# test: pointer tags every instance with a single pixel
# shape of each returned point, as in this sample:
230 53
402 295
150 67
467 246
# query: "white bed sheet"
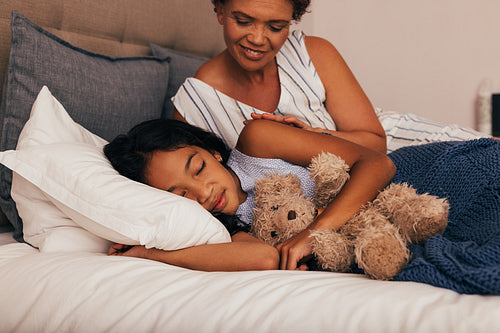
6 238
85 292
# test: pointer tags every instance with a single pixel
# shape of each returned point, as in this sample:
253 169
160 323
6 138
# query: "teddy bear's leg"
330 173
417 216
379 248
333 251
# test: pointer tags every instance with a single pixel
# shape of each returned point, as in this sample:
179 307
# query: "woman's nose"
257 36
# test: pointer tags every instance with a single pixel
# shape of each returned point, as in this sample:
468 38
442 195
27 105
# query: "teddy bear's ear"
277 184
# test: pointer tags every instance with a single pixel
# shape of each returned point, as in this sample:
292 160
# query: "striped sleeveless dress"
302 96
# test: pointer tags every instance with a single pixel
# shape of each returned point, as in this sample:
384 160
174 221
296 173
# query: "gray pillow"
105 95
182 66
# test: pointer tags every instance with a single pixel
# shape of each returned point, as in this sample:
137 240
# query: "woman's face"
255 30
196 174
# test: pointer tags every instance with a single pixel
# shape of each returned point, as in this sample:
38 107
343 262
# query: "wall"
424 57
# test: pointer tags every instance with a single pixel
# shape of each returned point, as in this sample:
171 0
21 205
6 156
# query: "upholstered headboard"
118 28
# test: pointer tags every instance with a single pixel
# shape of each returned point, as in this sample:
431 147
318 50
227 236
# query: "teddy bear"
376 239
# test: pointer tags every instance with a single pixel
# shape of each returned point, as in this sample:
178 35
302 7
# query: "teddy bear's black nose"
292 215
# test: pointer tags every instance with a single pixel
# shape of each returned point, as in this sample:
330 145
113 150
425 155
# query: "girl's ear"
217 156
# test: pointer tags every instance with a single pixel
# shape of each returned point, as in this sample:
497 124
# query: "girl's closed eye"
203 164
177 191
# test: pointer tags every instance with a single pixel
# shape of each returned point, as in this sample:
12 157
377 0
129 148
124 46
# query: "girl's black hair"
130 153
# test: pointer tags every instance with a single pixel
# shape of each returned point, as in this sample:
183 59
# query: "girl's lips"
220 203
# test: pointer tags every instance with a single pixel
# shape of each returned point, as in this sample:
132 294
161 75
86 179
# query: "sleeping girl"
185 160
188 161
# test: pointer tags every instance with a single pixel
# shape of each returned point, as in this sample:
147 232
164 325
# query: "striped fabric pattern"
411 130
302 96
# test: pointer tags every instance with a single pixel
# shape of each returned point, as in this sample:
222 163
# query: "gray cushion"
105 95
182 66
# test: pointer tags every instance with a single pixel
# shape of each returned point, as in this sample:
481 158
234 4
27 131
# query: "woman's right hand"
288 120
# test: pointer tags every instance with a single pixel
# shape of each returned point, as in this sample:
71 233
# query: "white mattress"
84 292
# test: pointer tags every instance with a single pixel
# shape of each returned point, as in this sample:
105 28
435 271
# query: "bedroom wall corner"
428 58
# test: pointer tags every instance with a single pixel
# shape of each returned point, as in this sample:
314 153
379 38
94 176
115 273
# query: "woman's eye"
276 28
242 22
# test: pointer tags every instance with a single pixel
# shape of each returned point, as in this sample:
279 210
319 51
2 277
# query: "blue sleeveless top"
248 169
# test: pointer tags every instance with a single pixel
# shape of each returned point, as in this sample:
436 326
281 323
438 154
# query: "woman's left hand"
288 120
294 251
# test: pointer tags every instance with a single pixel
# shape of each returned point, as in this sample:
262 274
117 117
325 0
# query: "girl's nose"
203 192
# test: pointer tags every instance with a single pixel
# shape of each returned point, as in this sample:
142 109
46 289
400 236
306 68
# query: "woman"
266 72
187 161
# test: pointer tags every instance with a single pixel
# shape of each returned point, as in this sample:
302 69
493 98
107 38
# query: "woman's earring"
218 156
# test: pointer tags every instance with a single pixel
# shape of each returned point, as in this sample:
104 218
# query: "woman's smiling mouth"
252 54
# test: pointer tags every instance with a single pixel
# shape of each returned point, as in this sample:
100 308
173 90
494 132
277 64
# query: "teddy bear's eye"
274 234
274 208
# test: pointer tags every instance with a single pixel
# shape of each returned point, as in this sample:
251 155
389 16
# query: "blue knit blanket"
466 258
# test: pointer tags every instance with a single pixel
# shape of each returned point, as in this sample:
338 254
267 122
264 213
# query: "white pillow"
63 183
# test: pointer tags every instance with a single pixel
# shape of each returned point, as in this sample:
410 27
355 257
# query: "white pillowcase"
71 199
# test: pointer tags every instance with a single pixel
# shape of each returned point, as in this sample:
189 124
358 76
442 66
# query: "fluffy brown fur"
376 239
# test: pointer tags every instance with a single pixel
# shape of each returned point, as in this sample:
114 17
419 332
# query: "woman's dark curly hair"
299 7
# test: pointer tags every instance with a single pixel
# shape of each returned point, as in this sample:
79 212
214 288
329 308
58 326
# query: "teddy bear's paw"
330 173
381 252
367 216
333 251
417 216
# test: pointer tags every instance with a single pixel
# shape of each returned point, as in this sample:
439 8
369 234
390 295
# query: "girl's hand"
127 250
295 251
288 120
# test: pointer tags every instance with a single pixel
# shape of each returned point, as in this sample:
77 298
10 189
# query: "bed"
83 72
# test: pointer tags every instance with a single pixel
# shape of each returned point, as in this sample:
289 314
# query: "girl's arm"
370 172
245 252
